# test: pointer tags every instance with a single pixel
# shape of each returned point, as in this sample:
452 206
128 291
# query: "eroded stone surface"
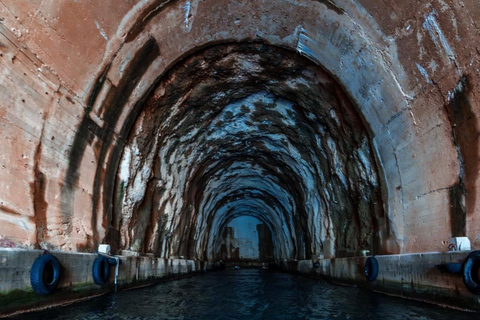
150 124
248 129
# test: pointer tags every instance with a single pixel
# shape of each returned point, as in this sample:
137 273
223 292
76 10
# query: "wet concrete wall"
421 276
76 280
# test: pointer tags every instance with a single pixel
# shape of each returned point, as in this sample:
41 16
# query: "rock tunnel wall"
222 137
149 125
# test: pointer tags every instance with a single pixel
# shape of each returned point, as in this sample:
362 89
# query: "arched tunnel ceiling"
248 129
336 124
201 107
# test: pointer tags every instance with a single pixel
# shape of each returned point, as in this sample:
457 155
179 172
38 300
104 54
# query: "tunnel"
220 131
246 130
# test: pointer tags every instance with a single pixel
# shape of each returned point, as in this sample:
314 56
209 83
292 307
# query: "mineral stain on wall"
465 134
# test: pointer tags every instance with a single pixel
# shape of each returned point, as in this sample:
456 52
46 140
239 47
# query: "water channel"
248 294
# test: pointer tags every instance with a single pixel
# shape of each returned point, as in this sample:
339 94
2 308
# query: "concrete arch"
362 69
343 38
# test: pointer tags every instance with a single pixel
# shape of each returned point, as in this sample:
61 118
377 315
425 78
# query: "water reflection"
248 294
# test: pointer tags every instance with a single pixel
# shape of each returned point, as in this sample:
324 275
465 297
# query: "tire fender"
101 270
470 272
45 274
371 269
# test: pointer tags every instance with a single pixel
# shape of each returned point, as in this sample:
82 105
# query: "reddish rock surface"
122 122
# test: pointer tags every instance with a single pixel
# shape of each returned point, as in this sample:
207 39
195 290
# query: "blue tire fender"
101 270
471 270
371 269
45 274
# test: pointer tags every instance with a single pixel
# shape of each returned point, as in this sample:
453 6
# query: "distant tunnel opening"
245 239
248 129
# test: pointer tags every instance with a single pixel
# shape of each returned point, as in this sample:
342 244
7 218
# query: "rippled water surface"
248 294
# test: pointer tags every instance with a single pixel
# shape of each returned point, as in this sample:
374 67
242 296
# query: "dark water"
248 294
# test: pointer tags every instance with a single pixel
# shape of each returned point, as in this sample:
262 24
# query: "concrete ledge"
76 281
414 276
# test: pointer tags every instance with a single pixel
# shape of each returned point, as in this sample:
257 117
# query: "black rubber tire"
471 272
371 269
101 270
45 274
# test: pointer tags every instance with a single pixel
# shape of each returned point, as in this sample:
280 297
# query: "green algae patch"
17 299
16 296
24 301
